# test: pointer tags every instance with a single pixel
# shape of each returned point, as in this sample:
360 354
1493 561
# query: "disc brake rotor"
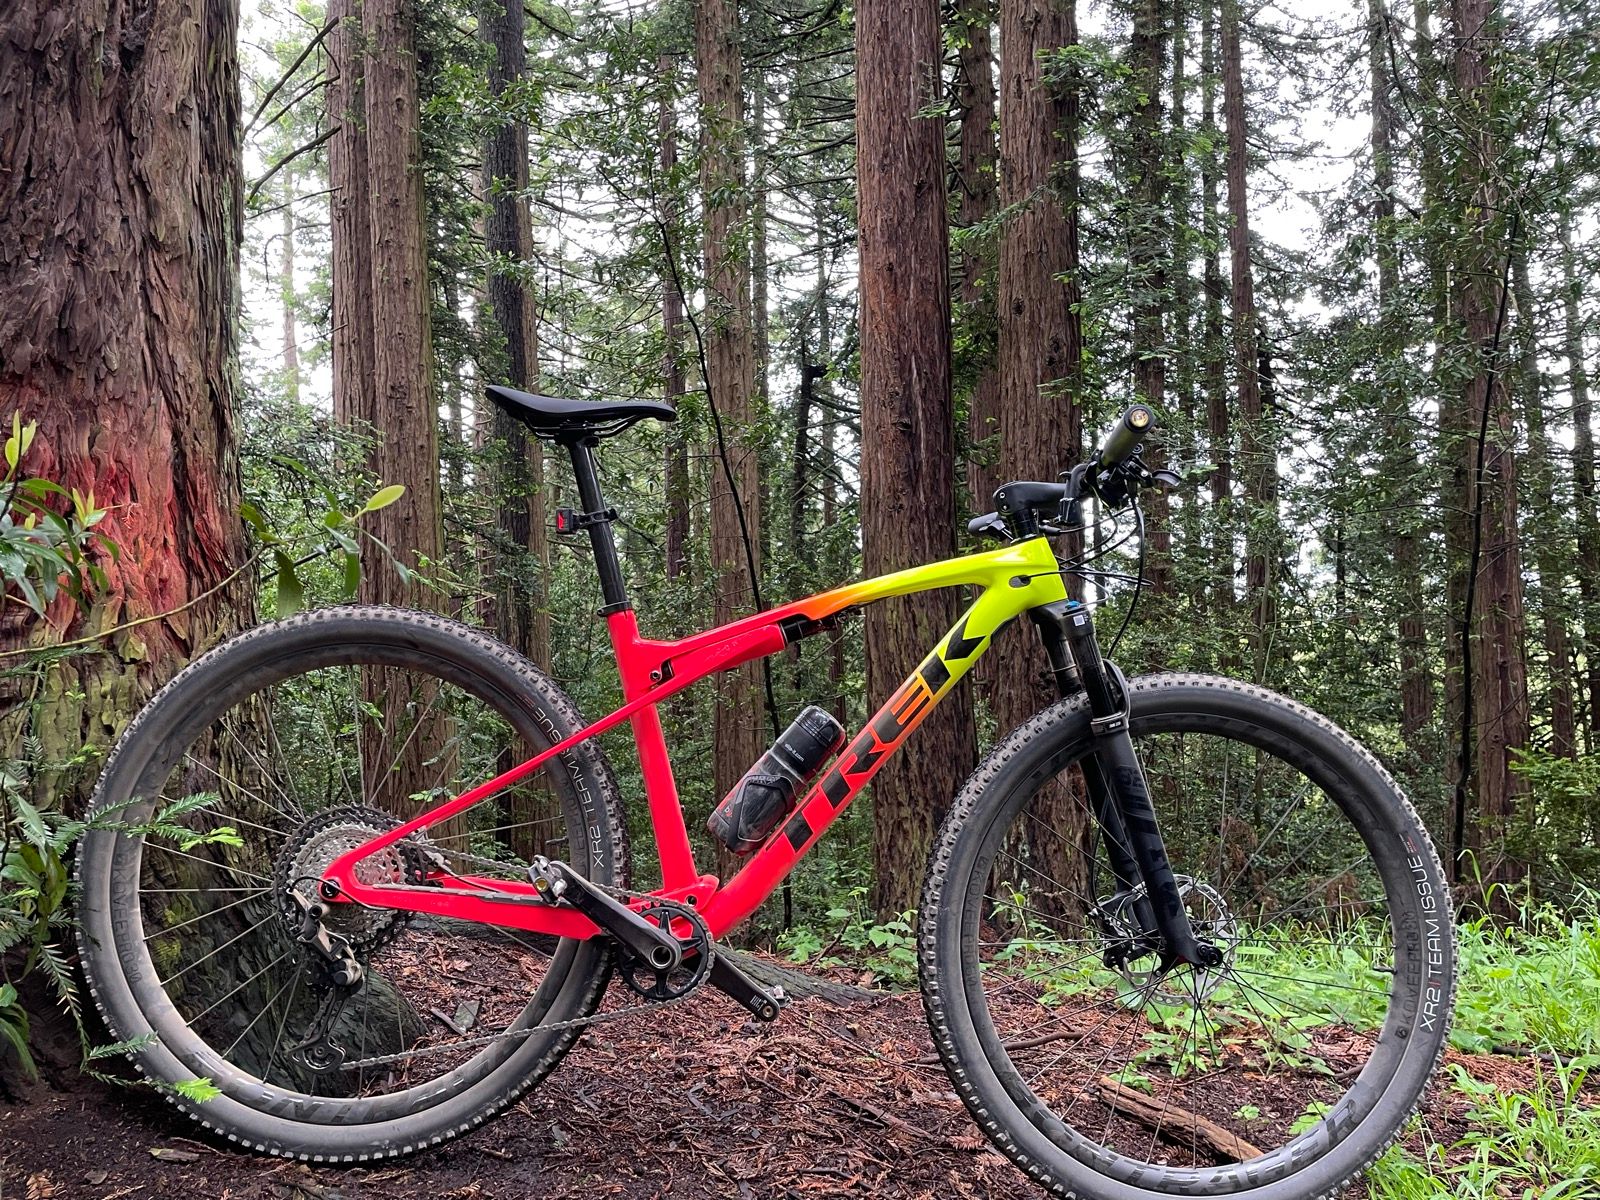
1147 980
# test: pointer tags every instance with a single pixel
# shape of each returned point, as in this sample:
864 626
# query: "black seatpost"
597 518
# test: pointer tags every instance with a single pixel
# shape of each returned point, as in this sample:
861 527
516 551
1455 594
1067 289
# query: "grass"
1529 987
1541 1143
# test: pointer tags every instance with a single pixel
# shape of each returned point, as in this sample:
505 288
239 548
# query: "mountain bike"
358 878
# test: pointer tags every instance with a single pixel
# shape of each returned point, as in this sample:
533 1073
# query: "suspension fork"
1116 783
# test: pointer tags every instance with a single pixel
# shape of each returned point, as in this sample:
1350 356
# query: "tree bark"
1258 445
120 184
977 177
1184 295
385 385
1497 719
907 426
1149 246
730 377
1219 430
1041 347
350 218
522 561
402 361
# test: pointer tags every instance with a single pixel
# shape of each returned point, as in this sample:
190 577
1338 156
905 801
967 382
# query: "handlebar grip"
1124 439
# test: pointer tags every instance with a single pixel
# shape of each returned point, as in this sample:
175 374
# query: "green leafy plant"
341 535
47 532
886 948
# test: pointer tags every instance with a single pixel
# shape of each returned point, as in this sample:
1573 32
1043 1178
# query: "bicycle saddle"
555 418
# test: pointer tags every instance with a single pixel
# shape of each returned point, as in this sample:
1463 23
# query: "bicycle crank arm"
733 982
557 882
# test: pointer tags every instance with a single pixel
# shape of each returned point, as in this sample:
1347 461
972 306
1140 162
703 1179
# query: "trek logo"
891 726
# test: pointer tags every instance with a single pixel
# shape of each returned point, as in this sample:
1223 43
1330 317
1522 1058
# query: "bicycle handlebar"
1022 503
1125 437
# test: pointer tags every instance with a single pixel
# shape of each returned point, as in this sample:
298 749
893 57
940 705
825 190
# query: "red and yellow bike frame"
1014 579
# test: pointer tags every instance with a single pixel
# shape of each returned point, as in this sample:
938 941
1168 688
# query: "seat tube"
660 788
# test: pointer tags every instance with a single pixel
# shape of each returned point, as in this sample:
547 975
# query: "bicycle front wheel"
1100 1069
234 790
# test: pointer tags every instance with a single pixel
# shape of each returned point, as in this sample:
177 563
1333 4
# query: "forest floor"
835 1099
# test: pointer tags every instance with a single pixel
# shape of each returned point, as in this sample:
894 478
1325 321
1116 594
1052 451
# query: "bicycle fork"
1116 785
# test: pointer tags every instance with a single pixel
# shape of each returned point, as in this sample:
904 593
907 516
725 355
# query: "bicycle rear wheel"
243 779
1280 1073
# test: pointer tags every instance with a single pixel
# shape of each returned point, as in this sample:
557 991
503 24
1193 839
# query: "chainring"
676 982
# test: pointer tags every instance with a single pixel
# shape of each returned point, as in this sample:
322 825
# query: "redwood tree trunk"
402 360
120 188
351 222
1497 720
907 423
1149 240
1219 425
1257 448
522 609
384 384
977 178
730 378
1041 347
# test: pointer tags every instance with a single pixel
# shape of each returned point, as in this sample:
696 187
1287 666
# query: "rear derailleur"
336 973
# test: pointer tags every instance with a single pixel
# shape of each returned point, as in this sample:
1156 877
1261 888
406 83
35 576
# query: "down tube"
861 760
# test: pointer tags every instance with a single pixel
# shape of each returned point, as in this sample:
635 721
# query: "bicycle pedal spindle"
759 801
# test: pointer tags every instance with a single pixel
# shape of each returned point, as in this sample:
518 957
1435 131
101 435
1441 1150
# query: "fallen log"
1175 1123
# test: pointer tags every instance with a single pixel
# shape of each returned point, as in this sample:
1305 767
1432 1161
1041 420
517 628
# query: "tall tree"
1258 446
1041 340
1219 423
402 360
522 609
977 181
1495 716
730 375
384 385
120 184
350 218
1550 552
907 420
1400 454
1149 235
672 319
1583 481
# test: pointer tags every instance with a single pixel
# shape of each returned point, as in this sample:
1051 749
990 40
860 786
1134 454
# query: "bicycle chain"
596 1018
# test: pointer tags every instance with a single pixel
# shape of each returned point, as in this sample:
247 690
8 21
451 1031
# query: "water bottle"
765 795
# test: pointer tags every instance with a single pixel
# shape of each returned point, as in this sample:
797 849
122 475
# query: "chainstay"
506 1035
